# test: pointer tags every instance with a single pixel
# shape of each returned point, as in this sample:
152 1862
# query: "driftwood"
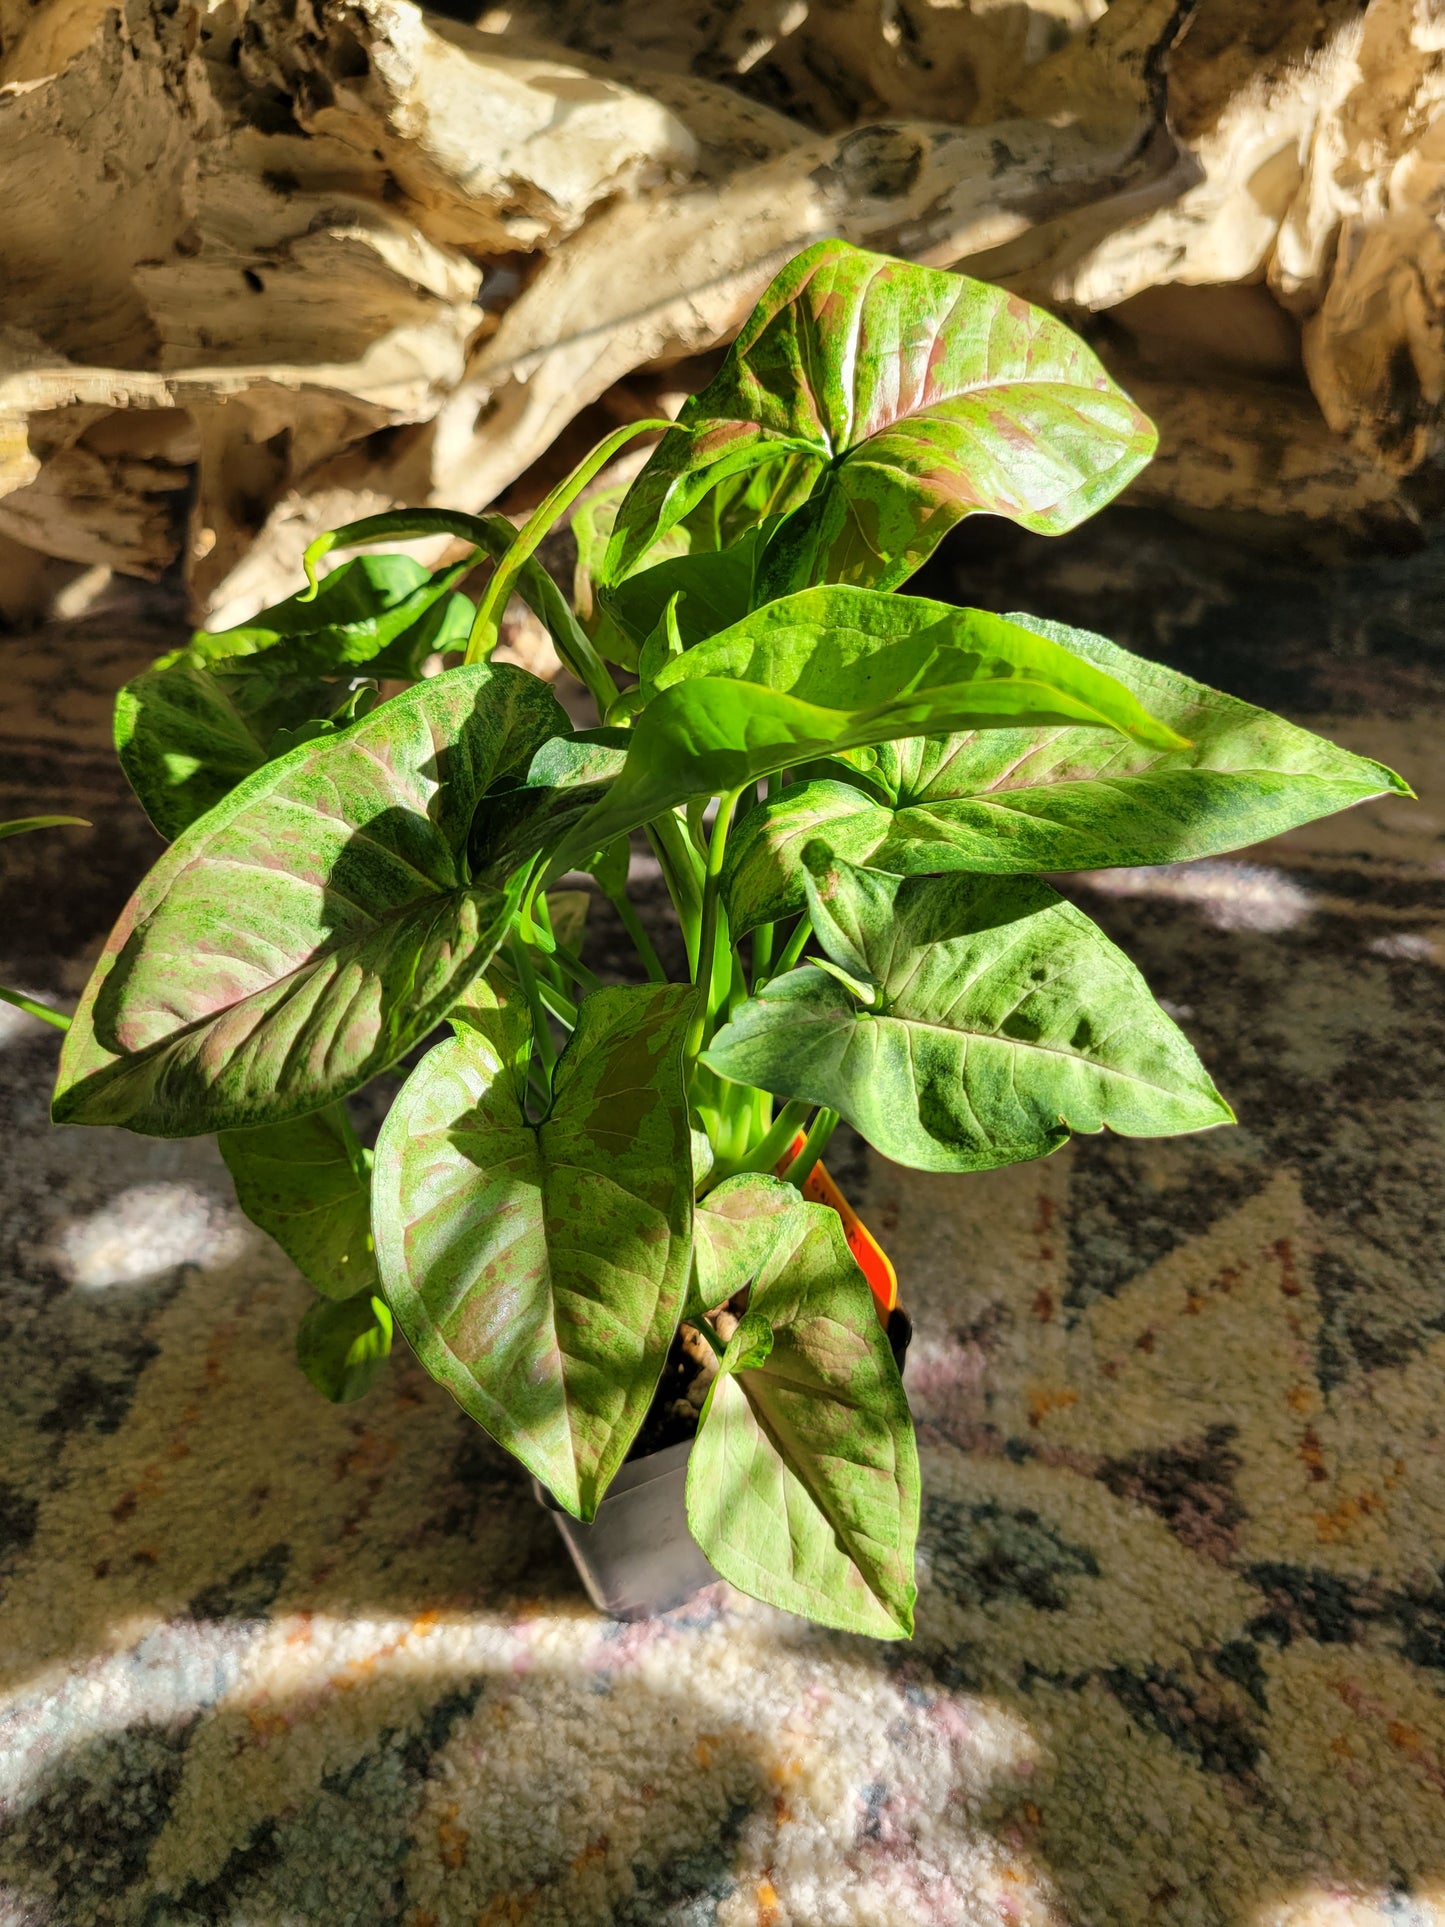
268 266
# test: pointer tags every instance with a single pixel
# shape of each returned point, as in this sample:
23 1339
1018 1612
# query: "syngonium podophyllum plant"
850 793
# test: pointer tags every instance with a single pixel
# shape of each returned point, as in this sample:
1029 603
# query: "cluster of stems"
689 856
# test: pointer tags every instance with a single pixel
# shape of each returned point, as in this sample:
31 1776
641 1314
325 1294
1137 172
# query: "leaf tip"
1156 735
902 1614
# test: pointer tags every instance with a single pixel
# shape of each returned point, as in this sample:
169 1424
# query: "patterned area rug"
1181 1639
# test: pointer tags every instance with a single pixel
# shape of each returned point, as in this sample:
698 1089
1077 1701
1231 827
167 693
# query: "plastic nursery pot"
637 1558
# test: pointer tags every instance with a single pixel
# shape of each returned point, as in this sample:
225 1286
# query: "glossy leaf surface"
187 736
714 590
313 926
207 716
734 1230
803 1485
833 668
342 1346
1004 1019
307 1186
914 397
345 621
1050 798
849 648
566 779
539 1269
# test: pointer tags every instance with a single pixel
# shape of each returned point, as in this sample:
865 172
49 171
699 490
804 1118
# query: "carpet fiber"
1181 1634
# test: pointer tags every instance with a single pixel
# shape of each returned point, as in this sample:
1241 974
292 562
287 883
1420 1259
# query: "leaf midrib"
348 939
772 1433
853 1023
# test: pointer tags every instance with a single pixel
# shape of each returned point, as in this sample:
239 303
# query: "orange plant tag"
872 1259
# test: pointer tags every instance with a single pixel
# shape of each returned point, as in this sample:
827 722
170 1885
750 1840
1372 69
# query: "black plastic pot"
637 1557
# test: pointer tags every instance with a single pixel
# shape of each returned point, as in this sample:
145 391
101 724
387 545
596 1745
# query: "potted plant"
851 793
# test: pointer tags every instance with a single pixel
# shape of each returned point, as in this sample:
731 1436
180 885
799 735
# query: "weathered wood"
265 268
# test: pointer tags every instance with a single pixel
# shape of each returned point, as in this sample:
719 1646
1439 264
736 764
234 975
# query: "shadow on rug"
1181 1636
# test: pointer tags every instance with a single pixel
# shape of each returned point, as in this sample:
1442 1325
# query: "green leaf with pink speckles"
313 926
307 1184
803 1486
203 718
969 1022
832 669
1012 801
909 398
538 1269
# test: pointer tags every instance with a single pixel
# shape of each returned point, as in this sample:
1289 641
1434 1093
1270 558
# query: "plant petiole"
705 1331
34 1008
642 943
18 826
765 1154
711 899
678 862
814 1145
792 949
540 915
763 952
535 993
559 1003
483 639
571 965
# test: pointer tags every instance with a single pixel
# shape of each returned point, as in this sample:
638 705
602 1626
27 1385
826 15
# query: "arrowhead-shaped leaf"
909 398
1004 1020
340 620
734 1228
850 648
832 668
1048 798
802 1485
539 1270
306 1184
205 717
312 927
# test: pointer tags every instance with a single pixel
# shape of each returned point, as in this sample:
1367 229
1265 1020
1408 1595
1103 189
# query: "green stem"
574 645
765 1154
572 966
532 990
483 639
707 941
679 865
737 991
33 1008
705 1330
643 944
494 536
814 1145
763 952
20 825
793 949
541 915
559 1003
